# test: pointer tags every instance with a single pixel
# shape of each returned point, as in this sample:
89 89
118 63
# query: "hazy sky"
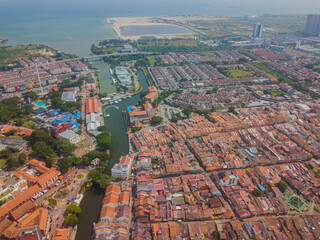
111 8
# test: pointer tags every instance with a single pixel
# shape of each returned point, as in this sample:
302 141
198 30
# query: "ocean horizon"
73 26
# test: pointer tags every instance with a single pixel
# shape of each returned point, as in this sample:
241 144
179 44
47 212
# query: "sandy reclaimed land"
118 23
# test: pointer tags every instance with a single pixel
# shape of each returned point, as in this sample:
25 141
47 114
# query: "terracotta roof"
125 160
27 194
92 105
124 197
38 217
138 113
23 209
26 132
47 176
4 224
147 106
111 199
150 95
61 234
28 177
108 211
40 166
152 89
113 188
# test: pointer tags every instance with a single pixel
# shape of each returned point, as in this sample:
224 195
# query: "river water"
116 125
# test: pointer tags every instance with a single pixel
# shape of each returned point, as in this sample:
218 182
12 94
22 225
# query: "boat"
107 115
111 72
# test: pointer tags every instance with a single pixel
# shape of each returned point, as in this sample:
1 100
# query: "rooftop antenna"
39 79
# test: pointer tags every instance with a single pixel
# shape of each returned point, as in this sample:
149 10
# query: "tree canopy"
104 140
155 120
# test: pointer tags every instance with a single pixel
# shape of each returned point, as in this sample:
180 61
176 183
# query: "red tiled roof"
92 105
27 194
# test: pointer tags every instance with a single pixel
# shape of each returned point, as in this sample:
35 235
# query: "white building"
71 136
123 75
229 180
122 169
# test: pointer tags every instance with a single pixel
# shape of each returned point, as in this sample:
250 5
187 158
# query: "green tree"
104 180
42 149
99 178
18 122
187 111
232 109
30 95
155 120
73 209
215 235
64 192
136 129
282 186
40 135
22 158
257 193
64 164
104 140
63 146
71 220
102 128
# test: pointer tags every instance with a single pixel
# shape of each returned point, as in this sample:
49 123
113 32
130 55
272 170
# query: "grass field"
11 54
237 73
207 55
271 72
2 163
152 60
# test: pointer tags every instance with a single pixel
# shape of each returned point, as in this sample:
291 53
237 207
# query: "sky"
28 9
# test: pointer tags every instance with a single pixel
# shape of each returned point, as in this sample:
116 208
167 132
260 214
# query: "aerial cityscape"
187 126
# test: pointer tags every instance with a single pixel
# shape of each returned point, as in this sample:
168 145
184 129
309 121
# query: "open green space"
237 73
294 202
152 60
80 176
2 163
271 72
275 93
9 55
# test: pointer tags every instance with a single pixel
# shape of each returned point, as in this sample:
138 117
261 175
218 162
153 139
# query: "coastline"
119 23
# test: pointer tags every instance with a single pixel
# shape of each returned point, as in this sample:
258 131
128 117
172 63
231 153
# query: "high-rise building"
313 25
257 30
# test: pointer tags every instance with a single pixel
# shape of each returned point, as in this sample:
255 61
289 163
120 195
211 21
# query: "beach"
119 24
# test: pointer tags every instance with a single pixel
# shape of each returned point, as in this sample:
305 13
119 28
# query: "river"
116 125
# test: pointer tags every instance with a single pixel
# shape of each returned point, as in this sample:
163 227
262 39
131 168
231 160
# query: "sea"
73 26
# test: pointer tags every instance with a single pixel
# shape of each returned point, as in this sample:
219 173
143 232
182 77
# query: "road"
57 215
99 56
90 140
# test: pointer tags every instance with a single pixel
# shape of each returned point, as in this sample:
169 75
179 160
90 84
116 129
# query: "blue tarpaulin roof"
74 125
55 112
57 122
68 115
77 114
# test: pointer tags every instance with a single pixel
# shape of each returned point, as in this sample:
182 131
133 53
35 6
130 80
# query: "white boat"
111 72
107 115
